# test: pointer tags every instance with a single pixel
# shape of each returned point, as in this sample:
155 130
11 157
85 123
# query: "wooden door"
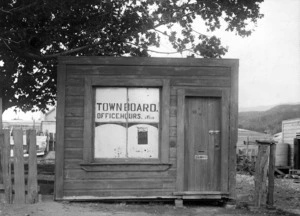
202 143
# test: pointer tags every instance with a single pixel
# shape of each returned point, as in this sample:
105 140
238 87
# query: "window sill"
125 167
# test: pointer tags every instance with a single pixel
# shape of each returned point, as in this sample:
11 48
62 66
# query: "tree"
33 33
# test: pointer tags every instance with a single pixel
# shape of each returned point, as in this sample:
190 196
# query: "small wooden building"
48 123
146 128
290 128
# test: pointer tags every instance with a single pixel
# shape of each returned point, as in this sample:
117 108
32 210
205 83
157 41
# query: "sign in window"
126 122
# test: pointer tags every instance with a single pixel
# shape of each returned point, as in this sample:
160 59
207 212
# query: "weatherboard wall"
289 130
79 178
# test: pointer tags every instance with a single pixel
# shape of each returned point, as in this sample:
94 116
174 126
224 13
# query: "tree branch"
10 40
160 52
42 57
6 45
18 9
67 52
4 11
167 36
164 23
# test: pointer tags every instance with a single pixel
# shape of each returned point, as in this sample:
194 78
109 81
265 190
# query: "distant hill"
269 120
256 108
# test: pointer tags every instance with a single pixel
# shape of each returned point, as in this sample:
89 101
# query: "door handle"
211 132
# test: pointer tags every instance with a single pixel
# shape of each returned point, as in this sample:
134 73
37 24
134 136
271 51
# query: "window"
126 125
126 122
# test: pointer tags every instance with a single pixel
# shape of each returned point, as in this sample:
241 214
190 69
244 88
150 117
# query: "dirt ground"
50 208
286 195
287 202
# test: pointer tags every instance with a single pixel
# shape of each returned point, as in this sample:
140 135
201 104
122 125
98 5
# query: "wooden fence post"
6 165
32 186
266 153
270 198
51 142
261 175
47 143
54 141
19 180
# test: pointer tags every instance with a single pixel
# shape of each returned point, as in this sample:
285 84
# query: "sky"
269 72
269 59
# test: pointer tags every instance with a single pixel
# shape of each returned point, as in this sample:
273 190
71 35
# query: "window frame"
130 164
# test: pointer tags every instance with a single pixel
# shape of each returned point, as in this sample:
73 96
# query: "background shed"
48 123
246 136
290 128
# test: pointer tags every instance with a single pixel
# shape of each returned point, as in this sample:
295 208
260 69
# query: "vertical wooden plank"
215 167
207 116
227 148
191 170
165 116
51 148
270 198
257 182
88 120
180 140
211 114
32 186
260 177
200 132
54 141
19 181
233 128
188 148
60 126
217 164
296 153
6 166
47 142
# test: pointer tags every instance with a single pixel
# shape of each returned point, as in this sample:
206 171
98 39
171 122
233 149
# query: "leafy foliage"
33 33
270 120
